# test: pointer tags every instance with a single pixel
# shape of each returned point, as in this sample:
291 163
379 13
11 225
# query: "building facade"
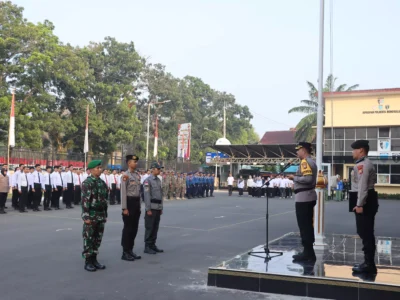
365 114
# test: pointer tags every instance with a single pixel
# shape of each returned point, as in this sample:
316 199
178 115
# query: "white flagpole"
86 144
11 131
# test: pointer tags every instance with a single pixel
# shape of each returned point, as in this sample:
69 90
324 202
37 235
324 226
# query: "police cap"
360 144
131 157
304 145
155 165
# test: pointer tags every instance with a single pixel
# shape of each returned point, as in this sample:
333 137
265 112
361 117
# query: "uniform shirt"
283 182
68 177
153 193
37 178
250 182
85 176
365 178
15 178
143 178
56 179
305 180
94 199
105 178
230 180
259 183
46 180
240 183
130 187
30 180
23 181
78 179
115 179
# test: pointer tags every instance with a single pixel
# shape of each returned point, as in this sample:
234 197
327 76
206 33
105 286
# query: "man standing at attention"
306 198
130 204
230 183
94 215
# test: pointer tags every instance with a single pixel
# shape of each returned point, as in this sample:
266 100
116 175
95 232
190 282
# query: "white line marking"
219 217
64 229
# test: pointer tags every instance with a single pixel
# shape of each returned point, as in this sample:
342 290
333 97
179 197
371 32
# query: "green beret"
94 164
155 165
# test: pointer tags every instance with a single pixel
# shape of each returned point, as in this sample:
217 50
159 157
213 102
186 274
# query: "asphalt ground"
40 253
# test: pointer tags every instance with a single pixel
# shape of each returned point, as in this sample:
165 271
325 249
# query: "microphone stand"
266 251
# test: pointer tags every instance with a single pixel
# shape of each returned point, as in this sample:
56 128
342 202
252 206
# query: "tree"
304 129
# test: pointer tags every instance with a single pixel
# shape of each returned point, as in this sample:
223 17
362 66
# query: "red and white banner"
184 135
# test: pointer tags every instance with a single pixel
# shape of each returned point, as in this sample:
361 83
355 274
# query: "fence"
48 158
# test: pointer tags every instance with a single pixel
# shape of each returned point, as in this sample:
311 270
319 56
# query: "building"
364 114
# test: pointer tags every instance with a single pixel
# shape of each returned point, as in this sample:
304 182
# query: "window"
395 169
383 169
395 174
347 145
350 133
384 132
395 131
396 145
373 145
339 145
328 145
328 133
361 133
339 133
388 173
372 133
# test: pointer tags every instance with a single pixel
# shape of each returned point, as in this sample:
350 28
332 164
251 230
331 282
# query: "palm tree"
304 129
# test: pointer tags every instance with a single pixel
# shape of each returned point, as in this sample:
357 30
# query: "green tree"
304 129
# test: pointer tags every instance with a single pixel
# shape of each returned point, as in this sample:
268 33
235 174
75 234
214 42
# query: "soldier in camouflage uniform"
94 215
184 186
165 184
172 186
178 189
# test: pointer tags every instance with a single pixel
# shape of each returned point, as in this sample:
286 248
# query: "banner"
184 135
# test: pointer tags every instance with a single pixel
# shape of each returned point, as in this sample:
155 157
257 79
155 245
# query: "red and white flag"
11 131
86 145
156 139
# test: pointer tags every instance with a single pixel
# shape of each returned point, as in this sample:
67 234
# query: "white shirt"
36 177
45 180
114 179
277 182
144 177
15 178
68 177
250 182
105 179
230 180
259 183
56 179
283 183
84 176
78 179
23 181
241 184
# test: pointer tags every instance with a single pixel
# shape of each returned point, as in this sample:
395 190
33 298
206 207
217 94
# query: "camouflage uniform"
183 184
178 189
172 187
94 208
165 185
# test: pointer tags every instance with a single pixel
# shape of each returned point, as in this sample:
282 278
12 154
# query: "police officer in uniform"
367 204
306 198
153 199
130 203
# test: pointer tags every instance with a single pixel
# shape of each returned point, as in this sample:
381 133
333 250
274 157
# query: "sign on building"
212 155
184 135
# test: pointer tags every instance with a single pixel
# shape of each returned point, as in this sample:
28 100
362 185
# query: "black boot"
308 254
89 265
365 268
149 250
96 264
127 256
134 255
155 248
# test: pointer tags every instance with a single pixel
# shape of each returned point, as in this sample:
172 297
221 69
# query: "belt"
133 197
303 190
155 201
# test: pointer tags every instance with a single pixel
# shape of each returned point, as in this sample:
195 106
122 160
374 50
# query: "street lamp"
148 127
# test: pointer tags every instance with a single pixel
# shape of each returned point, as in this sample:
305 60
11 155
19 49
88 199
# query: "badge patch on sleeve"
360 169
125 178
305 168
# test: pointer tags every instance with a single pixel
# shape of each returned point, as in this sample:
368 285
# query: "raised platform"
329 278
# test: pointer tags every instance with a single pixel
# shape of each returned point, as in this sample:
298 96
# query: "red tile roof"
284 137
376 91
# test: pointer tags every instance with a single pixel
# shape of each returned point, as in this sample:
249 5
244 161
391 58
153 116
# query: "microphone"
286 166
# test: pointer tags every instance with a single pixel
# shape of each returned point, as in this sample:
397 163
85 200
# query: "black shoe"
37 209
148 250
126 256
365 276
304 257
2 212
49 208
155 248
23 211
365 268
5 207
89 265
96 264
134 255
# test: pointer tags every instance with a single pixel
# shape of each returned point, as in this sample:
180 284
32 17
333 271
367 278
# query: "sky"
261 51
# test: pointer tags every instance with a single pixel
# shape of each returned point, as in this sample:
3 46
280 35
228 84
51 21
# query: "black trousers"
23 199
131 223
270 191
37 196
365 223
151 223
241 192
304 214
211 190
250 191
56 196
69 194
3 199
118 196
207 190
47 196
77 194
15 198
113 193
30 199
230 187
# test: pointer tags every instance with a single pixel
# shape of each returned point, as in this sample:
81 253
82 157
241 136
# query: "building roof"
284 137
358 93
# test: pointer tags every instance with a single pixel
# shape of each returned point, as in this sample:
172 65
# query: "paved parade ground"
41 252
